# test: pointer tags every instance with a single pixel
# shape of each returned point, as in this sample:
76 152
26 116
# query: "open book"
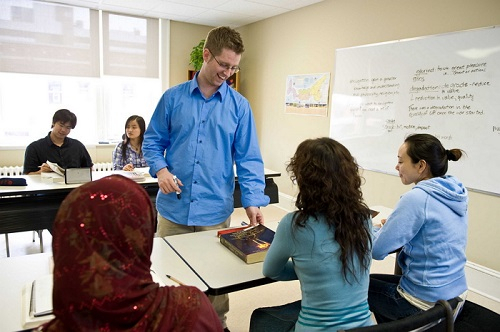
56 168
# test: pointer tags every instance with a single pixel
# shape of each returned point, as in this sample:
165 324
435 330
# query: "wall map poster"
307 94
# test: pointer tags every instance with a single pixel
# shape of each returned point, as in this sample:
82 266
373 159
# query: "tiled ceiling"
233 13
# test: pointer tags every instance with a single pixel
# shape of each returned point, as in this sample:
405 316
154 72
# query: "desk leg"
7 244
40 236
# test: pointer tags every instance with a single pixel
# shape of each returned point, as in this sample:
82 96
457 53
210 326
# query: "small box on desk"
77 175
249 244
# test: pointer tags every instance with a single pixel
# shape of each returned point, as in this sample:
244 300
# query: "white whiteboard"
445 85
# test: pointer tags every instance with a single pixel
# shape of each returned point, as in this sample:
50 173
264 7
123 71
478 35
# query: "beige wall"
304 41
15 156
183 36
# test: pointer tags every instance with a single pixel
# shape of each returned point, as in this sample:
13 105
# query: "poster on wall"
307 94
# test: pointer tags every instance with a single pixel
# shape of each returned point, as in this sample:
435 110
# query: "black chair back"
438 318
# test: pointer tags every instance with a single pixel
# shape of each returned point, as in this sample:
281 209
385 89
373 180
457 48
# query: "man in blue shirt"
199 130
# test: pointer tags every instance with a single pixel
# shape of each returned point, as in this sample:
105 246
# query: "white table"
20 204
165 261
33 207
221 270
17 272
38 185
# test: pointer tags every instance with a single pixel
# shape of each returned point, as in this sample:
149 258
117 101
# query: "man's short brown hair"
224 37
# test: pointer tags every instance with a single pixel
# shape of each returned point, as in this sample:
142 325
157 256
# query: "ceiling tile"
234 13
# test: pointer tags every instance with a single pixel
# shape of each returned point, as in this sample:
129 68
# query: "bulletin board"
446 85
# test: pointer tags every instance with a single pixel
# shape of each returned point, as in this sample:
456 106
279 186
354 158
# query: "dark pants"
275 319
385 301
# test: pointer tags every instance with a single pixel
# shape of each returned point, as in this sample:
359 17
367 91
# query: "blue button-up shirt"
200 139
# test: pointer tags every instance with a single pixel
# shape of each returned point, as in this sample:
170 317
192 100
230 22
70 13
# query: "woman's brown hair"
330 184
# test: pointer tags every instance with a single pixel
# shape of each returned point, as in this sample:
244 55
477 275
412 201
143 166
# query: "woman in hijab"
103 238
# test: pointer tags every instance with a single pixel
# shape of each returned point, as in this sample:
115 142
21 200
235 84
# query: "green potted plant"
196 56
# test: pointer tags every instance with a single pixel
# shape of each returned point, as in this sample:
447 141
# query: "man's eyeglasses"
225 65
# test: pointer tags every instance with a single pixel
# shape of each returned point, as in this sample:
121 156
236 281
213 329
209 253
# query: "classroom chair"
438 318
477 318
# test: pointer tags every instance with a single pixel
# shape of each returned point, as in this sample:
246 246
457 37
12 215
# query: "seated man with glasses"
56 147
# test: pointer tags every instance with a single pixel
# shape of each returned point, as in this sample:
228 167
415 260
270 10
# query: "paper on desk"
143 170
133 175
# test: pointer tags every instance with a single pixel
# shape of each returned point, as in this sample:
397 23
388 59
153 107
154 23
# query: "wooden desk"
33 207
221 270
17 272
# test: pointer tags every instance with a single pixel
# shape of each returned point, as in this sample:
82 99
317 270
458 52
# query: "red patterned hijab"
103 238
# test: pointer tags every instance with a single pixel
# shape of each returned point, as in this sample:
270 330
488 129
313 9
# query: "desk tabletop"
17 272
165 261
269 173
36 184
220 269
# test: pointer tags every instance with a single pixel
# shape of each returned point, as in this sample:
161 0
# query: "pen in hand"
177 184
